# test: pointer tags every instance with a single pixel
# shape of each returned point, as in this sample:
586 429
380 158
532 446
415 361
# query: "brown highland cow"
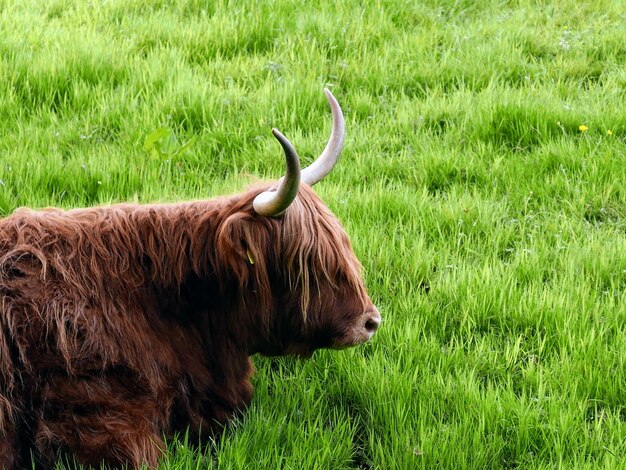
123 325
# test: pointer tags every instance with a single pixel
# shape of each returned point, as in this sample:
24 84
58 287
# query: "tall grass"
483 185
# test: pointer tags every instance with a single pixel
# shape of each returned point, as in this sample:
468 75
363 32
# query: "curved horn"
329 157
271 203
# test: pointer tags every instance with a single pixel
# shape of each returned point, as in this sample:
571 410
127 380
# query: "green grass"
491 228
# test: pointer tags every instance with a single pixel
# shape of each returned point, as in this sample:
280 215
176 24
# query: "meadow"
483 186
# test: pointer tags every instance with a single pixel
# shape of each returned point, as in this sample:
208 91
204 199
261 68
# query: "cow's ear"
241 242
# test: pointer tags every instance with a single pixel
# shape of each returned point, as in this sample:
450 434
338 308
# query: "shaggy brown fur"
122 325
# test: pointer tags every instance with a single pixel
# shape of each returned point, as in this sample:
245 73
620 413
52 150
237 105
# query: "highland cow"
121 326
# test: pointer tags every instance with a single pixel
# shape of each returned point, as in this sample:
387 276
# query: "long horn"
271 203
329 157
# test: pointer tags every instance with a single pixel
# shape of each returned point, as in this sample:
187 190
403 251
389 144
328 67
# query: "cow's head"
295 271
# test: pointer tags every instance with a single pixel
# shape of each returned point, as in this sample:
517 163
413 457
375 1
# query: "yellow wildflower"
609 132
583 128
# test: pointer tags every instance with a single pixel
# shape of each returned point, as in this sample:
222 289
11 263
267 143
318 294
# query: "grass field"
483 185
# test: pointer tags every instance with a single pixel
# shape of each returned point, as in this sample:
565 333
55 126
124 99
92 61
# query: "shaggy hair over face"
122 325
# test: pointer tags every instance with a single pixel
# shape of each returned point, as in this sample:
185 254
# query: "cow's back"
84 344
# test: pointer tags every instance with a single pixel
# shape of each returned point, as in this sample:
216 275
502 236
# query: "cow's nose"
373 321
